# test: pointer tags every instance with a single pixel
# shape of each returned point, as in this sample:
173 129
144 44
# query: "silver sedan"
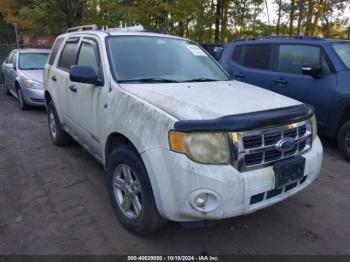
22 72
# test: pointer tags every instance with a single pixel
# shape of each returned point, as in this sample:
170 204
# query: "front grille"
35 100
258 148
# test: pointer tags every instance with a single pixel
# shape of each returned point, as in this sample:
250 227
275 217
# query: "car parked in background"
313 70
215 50
22 72
180 141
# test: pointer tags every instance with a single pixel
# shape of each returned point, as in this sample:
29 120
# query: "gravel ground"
54 201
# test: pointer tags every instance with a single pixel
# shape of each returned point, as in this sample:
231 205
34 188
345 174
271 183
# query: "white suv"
178 138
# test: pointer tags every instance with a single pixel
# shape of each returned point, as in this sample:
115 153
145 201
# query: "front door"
88 96
289 80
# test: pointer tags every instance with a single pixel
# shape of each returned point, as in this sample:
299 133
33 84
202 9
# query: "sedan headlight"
202 147
314 126
32 84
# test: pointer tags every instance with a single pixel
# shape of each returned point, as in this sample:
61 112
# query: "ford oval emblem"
286 144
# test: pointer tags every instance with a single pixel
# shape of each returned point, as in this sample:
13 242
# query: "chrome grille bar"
258 148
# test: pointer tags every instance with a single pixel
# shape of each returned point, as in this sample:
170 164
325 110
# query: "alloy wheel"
127 191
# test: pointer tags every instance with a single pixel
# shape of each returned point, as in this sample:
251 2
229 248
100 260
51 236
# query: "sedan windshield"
32 61
343 51
147 59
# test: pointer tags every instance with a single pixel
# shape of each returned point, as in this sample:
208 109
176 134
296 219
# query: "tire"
6 90
22 104
344 140
128 183
58 135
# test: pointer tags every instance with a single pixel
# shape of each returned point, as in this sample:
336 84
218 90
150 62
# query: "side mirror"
84 74
314 70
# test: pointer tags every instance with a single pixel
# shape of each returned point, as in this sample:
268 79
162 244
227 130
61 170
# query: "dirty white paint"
144 113
209 100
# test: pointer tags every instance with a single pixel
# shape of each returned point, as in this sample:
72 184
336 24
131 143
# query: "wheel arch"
343 114
115 140
48 98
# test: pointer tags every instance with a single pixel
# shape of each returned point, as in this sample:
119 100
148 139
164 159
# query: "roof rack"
83 28
301 37
121 28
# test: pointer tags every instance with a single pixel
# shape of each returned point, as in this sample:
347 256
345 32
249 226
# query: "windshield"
343 51
160 59
32 61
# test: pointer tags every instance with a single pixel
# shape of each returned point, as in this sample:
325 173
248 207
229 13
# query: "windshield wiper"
149 80
201 79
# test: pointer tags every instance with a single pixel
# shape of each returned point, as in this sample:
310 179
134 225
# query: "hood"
35 75
208 100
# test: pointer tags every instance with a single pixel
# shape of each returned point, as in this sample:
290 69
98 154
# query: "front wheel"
344 139
22 103
131 193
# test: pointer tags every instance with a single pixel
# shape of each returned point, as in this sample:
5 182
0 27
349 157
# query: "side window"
258 56
88 56
54 50
68 55
237 52
291 58
14 59
9 59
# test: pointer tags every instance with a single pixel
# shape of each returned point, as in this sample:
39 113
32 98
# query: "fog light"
201 199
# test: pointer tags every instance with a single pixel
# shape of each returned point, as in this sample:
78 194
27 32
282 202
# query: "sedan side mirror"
314 70
84 74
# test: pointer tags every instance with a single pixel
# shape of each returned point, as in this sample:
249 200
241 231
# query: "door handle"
239 75
72 88
54 78
280 81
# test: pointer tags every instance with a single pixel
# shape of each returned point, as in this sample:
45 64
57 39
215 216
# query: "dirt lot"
54 201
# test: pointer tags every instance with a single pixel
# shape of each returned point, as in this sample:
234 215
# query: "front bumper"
34 97
176 181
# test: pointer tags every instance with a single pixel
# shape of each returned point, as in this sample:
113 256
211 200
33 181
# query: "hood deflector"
249 121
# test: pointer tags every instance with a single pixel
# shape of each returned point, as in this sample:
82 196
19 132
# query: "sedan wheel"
52 123
22 104
127 191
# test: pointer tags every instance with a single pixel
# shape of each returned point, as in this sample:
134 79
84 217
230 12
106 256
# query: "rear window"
54 50
69 55
237 53
257 56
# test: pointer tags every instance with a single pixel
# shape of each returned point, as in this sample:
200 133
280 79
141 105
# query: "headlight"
32 84
202 147
314 127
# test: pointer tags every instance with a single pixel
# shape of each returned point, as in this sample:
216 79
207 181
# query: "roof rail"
121 28
83 28
301 37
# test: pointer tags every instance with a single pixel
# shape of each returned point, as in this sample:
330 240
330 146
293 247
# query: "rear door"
67 99
289 80
12 73
252 63
6 67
